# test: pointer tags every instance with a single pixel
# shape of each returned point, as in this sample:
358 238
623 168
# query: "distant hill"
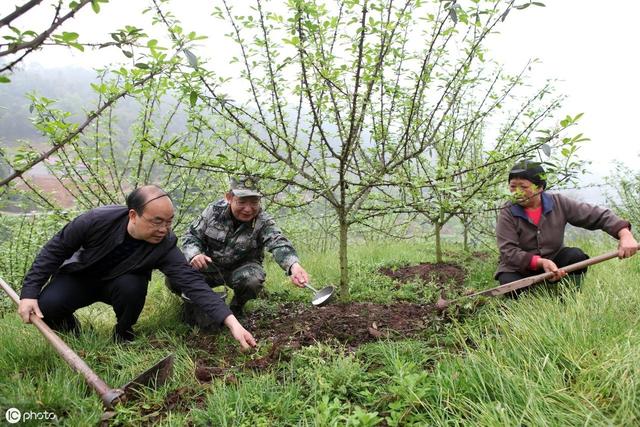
68 85
71 88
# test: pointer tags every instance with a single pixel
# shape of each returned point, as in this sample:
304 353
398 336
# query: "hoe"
154 376
527 281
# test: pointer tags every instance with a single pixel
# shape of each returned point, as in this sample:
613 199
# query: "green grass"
540 360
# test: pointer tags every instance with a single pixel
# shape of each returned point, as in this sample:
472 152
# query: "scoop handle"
306 285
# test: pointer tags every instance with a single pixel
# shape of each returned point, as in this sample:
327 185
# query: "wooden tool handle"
528 281
108 395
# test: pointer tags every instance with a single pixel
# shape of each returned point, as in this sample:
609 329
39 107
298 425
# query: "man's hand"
299 276
200 262
627 246
28 306
238 332
550 267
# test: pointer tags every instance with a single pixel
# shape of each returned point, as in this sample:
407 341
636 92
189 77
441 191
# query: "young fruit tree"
333 97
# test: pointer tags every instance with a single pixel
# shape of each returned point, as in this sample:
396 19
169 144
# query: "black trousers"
565 257
66 293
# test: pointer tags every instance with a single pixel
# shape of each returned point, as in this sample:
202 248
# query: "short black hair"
141 196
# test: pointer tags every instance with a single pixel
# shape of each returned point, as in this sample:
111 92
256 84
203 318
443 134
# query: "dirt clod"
206 374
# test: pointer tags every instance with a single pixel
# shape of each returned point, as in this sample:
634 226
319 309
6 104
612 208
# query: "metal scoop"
322 296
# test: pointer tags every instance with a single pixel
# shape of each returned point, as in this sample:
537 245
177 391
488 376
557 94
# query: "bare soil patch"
291 326
295 325
351 324
483 256
440 273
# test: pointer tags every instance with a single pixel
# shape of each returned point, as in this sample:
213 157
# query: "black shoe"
122 337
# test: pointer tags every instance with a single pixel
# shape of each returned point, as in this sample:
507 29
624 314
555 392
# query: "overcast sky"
591 46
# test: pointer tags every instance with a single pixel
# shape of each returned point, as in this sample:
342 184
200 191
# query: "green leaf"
142 65
193 60
4 79
95 6
294 41
127 54
69 37
193 98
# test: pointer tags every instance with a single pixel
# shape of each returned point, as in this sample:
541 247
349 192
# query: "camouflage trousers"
246 280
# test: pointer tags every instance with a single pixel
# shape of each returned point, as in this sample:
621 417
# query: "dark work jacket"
519 239
92 235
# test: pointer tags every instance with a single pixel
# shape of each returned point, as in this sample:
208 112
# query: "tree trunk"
344 265
438 229
465 237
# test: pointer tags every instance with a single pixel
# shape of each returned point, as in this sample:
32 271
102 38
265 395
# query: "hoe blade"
154 377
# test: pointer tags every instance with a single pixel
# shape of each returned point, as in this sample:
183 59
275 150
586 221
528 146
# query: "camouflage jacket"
214 234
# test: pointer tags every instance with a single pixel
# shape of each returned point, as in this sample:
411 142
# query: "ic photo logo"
14 415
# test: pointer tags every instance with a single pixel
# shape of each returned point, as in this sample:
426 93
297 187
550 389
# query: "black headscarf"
529 170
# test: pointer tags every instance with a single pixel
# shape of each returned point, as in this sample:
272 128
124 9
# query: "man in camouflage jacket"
227 241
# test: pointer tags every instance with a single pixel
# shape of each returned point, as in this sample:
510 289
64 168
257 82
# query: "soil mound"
440 273
295 325
351 324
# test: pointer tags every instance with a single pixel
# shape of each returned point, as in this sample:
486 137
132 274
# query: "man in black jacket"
107 254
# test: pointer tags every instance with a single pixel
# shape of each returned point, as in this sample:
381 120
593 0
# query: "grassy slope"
536 361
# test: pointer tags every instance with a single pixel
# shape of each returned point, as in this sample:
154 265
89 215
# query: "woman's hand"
550 267
627 246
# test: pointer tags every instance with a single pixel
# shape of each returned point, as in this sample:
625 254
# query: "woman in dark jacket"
530 232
